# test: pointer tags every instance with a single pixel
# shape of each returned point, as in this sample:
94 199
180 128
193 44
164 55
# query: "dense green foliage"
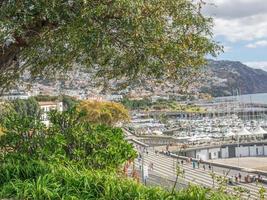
70 137
69 102
26 107
136 104
118 38
41 98
24 178
103 112
166 105
73 160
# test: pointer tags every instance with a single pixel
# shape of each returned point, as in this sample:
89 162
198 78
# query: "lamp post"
143 176
238 150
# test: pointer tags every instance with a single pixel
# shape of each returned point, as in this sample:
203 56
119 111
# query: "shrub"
71 181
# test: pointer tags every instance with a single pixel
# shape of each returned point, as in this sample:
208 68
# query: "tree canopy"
74 160
68 137
26 107
114 38
103 112
1 131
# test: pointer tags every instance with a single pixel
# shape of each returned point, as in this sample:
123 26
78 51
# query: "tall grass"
36 180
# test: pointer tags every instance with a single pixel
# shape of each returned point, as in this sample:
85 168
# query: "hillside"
219 78
223 77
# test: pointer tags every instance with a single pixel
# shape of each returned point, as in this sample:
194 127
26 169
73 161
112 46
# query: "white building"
114 97
48 106
229 151
162 97
14 95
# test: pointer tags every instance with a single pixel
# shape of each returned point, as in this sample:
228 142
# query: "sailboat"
244 132
259 131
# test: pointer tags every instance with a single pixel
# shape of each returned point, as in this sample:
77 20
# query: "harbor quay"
230 150
249 112
199 161
224 140
160 168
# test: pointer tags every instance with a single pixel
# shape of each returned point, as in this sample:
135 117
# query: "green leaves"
22 134
26 107
70 181
103 112
73 160
117 39
95 146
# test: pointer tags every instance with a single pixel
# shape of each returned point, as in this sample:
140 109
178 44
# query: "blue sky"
241 27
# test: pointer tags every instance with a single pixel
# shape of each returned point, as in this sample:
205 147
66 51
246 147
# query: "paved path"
258 163
165 167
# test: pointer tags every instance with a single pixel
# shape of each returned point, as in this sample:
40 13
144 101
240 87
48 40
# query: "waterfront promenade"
164 167
164 171
257 163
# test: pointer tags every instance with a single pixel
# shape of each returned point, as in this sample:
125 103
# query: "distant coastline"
248 98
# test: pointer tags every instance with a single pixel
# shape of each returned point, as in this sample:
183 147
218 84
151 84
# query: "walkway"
165 167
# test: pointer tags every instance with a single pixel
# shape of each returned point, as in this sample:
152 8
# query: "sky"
241 27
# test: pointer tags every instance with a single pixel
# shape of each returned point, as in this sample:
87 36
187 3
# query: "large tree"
26 107
103 112
115 38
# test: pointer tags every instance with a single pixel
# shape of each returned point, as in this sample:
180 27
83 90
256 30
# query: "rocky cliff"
224 77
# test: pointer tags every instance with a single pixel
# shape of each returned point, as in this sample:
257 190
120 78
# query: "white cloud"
244 29
229 9
261 43
239 20
227 49
257 65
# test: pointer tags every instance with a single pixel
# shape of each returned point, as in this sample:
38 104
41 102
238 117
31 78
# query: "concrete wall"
192 154
260 150
206 154
225 153
242 151
252 151
265 150
214 153
202 154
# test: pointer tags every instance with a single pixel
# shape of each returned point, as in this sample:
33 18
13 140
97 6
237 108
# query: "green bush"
95 146
67 180
47 98
73 160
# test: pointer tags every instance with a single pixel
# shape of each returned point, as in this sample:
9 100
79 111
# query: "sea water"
260 98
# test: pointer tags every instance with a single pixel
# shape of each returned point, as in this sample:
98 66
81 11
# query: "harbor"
224 129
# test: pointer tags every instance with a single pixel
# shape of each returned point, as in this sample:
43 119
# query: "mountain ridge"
218 78
227 76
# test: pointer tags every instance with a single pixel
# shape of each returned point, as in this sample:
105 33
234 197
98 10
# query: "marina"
229 128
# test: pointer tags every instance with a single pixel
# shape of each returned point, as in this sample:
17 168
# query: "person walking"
204 167
194 164
239 176
151 166
236 178
231 180
209 166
